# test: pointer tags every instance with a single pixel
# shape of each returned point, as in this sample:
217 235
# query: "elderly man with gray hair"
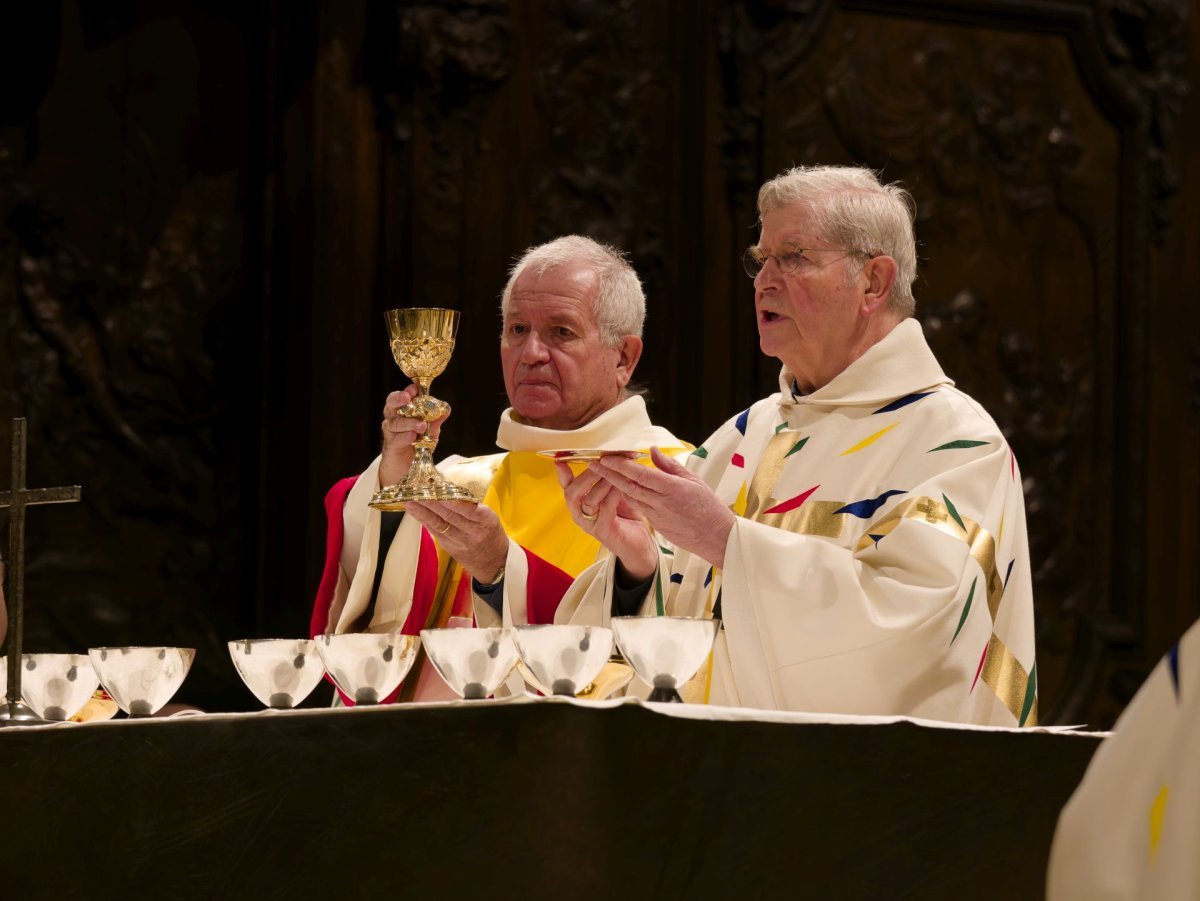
860 534
572 316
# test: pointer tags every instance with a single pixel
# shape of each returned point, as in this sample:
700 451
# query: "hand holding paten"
470 533
675 502
402 425
601 511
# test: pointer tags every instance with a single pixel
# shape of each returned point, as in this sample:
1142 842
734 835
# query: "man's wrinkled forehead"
573 283
794 224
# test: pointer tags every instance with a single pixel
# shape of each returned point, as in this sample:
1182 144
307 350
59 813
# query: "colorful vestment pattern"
879 564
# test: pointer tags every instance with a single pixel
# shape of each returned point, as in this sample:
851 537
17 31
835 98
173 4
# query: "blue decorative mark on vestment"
1173 665
865 509
902 402
742 419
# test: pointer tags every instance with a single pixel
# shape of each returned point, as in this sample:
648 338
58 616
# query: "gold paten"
422 340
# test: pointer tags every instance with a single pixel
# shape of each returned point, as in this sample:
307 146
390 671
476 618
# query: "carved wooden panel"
125 327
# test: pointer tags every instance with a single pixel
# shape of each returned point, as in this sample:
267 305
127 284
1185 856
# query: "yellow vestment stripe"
529 501
1002 671
935 513
1004 674
810 518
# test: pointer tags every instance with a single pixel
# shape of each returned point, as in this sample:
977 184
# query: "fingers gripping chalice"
422 342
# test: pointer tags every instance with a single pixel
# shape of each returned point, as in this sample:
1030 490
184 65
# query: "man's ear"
880 275
629 351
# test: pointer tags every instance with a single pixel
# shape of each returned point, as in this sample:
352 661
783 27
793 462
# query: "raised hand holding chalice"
422 340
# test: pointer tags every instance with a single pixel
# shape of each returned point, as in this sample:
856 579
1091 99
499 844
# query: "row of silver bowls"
368 667
559 659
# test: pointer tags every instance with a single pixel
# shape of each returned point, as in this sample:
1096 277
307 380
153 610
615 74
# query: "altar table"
530 799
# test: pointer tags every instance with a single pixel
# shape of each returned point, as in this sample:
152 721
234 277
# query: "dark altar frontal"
543 799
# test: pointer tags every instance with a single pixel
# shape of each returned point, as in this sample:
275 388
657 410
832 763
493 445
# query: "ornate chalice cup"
473 662
281 672
57 686
141 680
563 659
422 341
368 666
665 651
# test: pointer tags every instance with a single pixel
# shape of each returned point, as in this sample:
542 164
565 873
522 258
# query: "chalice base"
18 714
665 696
423 483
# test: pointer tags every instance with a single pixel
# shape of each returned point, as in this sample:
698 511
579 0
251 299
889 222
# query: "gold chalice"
422 342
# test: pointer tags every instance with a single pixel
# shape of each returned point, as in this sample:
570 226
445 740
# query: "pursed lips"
536 383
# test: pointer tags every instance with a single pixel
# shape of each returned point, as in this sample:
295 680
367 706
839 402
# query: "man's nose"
534 350
768 275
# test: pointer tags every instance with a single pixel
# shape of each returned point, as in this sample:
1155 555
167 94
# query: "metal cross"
20 497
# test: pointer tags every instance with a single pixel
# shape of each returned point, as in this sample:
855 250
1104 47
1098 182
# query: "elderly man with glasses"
860 533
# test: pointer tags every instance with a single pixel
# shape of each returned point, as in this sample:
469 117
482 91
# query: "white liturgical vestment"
1132 828
522 488
879 563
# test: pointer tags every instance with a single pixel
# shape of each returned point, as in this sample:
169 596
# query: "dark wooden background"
205 208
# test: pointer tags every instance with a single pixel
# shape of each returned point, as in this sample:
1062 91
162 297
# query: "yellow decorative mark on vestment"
1157 810
869 440
739 504
1000 534
932 512
810 518
696 690
1004 674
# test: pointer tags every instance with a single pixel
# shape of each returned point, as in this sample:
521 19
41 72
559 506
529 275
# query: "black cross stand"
14 712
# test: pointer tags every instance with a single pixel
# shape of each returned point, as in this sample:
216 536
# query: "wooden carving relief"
602 87
1145 43
598 87
117 266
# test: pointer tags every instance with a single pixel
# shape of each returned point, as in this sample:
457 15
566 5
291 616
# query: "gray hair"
854 210
620 303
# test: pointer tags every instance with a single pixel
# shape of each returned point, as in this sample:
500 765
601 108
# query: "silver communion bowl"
473 662
57 686
665 651
563 659
281 672
142 680
368 666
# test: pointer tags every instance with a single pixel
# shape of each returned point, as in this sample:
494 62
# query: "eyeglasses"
753 260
